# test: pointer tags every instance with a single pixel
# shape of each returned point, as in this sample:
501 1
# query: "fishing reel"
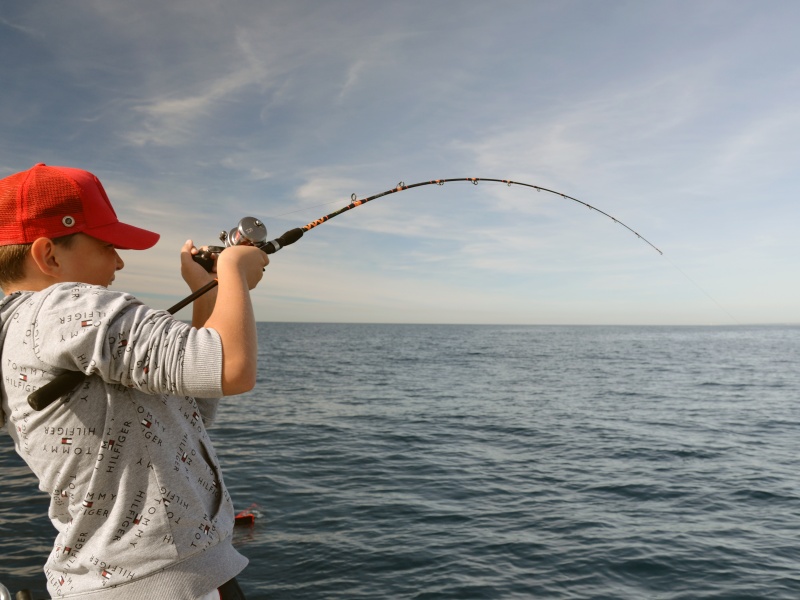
249 232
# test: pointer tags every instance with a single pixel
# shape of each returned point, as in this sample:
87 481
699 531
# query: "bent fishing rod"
252 232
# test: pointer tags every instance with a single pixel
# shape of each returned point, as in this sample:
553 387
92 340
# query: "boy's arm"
239 269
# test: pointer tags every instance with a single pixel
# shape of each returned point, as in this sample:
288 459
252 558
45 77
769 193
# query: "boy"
136 491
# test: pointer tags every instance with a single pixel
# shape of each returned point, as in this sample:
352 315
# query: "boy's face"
89 260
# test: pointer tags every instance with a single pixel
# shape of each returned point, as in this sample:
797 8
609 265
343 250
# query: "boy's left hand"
193 273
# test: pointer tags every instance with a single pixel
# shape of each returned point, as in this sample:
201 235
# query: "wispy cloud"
15 26
679 121
172 121
764 146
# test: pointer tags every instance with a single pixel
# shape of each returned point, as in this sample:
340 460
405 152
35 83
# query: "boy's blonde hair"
13 256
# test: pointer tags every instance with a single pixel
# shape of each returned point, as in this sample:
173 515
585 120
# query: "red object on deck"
246 517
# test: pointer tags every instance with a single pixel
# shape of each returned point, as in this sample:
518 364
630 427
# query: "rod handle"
54 389
290 237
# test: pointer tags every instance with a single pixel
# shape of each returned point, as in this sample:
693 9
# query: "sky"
679 118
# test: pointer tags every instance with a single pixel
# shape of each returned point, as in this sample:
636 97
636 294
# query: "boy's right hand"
247 262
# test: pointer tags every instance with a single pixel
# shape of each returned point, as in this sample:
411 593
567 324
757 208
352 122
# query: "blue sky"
679 118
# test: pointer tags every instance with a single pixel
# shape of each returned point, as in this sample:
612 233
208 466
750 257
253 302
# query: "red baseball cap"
55 201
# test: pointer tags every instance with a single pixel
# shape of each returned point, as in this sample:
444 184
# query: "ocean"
449 461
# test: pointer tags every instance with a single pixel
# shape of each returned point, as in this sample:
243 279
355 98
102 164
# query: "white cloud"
172 121
763 147
678 122
21 28
324 188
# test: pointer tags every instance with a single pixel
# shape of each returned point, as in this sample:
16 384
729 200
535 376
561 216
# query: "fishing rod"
252 232
401 187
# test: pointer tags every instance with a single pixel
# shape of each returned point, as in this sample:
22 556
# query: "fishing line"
699 287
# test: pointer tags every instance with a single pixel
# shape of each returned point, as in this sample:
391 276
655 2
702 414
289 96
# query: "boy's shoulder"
62 295
9 305
65 302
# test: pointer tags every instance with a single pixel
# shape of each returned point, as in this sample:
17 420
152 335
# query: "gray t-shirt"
136 491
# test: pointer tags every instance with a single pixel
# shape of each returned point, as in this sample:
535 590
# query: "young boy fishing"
136 493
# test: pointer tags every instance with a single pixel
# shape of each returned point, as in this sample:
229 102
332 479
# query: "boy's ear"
44 254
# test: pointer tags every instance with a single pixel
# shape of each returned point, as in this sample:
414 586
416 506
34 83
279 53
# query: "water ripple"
436 462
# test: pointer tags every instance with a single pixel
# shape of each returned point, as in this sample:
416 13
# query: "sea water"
445 461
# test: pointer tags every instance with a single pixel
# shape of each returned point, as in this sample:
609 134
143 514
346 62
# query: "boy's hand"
246 261
193 273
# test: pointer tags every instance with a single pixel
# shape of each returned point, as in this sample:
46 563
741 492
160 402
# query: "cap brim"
124 237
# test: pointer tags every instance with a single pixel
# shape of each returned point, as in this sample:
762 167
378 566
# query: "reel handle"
205 257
